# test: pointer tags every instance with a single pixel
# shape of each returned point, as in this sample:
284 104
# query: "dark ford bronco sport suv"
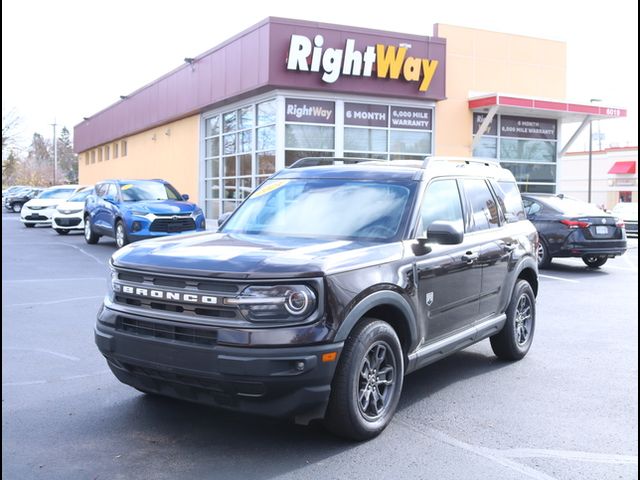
330 283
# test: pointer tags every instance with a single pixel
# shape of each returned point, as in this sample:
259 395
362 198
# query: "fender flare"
381 297
527 262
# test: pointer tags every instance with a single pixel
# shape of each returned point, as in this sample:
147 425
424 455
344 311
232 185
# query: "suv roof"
431 166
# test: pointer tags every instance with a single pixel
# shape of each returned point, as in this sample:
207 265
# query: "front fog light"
275 303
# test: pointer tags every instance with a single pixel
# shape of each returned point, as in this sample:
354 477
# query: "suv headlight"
275 303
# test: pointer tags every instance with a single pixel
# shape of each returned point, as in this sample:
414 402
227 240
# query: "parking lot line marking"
488 453
552 277
53 302
42 350
101 262
571 455
70 377
48 280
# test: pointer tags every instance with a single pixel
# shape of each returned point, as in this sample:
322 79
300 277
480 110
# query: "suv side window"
510 200
441 202
101 189
112 191
484 209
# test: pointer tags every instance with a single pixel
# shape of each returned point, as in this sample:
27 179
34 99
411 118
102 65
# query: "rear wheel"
594 261
16 207
544 259
61 231
89 235
121 234
514 340
368 381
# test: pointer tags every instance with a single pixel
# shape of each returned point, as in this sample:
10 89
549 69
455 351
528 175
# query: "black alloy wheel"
515 338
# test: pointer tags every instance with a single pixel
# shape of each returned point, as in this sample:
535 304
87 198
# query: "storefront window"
487 147
532 172
532 150
309 136
404 141
365 139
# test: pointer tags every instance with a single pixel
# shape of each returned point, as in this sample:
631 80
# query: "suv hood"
251 256
161 206
44 202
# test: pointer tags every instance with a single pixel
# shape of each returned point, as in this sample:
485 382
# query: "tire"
61 231
594 261
16 207
89 235
515 338
29 225
351 413
121 234
544 258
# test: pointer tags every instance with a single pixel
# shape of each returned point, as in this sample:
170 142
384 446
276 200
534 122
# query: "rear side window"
441 202
101 189
484 210
510 200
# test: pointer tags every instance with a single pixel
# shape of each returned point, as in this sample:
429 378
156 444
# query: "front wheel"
594 261
121 235
368 381
89 235
514 340
16 207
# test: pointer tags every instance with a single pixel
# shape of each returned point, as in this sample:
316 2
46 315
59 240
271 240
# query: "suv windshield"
57 193
323 209
148 190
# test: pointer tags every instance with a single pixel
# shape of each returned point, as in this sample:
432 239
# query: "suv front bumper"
290 382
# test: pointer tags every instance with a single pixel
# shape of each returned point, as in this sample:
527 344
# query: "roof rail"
320 161
488 162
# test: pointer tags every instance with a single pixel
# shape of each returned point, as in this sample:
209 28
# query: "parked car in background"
571 228
69 215
131 210
14 201
628 213
39 211
11 190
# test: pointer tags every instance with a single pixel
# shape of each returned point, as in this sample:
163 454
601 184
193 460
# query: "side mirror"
223 218
185 196
445 233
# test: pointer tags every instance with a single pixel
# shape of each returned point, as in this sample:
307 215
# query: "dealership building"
223 121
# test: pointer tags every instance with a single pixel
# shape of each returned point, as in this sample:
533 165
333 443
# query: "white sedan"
38 211
69 215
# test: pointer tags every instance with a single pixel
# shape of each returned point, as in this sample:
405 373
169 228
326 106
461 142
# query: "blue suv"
130 210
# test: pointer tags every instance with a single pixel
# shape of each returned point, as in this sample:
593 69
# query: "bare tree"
10 125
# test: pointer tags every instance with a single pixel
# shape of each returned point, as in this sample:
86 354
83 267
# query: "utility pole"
55 151
591 151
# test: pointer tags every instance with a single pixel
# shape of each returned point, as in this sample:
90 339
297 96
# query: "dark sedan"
16 200
571 228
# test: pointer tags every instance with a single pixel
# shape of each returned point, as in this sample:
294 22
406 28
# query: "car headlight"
138 213
275 303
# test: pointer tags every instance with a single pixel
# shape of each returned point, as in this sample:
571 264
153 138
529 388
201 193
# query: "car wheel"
368 381
594 261
16 207
514 340
544 259
121 235
61 231
89 235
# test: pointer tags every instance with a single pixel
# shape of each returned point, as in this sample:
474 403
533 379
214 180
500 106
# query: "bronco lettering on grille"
166 295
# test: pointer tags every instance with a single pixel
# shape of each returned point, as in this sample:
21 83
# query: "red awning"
623 167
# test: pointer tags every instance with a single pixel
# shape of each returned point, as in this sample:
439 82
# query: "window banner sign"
414 118
478 118
527 127
366 115
310 111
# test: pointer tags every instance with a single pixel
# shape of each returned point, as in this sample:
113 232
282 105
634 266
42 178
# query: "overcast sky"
65 60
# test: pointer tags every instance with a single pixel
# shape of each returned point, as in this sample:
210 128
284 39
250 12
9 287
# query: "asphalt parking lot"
569 410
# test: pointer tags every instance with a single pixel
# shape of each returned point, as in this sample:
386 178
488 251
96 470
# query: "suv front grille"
144 328
180 286
173 224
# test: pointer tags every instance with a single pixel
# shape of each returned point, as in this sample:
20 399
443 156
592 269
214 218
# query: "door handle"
470 257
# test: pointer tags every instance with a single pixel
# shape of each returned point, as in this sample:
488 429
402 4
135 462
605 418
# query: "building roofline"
604 150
